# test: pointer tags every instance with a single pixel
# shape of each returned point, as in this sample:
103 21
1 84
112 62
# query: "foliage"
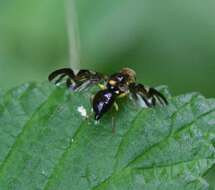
46 144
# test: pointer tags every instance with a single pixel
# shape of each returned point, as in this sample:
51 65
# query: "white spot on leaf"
82 111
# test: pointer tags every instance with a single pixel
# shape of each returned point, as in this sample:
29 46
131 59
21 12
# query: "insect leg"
85 78
139 91
101 86
60 79
123 95
116 106
71 84
160 97
61 72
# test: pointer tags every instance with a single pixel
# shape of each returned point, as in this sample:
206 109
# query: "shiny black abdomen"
102 102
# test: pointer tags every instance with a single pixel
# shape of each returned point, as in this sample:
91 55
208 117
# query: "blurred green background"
168 42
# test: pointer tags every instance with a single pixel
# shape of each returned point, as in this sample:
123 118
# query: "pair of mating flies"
114 86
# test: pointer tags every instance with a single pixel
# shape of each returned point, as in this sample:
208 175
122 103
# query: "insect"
117 85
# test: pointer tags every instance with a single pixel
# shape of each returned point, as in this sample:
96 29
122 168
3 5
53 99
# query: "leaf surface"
46 144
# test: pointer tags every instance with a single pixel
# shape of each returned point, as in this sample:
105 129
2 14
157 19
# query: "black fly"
117 85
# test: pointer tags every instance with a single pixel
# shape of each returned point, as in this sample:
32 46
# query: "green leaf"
46 144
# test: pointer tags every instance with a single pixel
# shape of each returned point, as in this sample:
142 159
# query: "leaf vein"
160 142
62 157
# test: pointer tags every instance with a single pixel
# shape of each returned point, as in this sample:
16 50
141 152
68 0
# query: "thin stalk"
73 34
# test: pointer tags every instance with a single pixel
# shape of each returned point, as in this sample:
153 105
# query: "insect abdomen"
103 100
